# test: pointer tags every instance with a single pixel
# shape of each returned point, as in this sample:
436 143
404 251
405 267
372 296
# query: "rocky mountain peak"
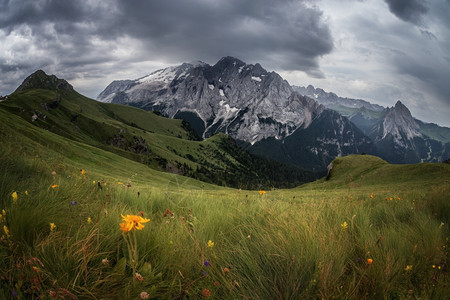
399 120
40 80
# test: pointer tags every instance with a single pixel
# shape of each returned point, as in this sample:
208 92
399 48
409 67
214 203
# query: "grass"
285 244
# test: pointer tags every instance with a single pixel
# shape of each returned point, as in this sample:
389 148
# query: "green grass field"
371 231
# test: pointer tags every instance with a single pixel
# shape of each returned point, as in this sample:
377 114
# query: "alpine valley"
302 127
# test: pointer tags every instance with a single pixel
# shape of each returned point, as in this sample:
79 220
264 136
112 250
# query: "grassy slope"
172 149
285 244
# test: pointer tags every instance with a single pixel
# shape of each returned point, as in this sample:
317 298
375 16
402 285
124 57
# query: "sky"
377 50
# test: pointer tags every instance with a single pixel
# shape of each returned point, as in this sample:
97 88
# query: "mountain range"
398 136
303 127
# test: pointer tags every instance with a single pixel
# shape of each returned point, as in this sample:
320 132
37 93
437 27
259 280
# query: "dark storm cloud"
284 34
408 10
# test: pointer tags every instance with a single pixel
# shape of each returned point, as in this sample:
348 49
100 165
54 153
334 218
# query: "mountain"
398 137
256 107
330 100
163 144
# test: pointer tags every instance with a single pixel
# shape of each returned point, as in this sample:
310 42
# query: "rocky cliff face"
243 100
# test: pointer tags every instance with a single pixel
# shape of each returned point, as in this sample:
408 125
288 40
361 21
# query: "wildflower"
14 196
139 277
206 263
26 193
210 244
262 192
89 220
3 212
371 196
433 266
369 261
216 283
132 222
73 202
52 226
344 225
408 268
144 295
53 173
93 181
168 212
206 293
6 230
119 182
14 293
83 172
358 259
53 294
249 237
54 186
105 261
226 270
441 225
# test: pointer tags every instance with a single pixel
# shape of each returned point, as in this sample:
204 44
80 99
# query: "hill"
160 143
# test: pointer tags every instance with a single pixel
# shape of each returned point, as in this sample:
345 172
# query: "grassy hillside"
372 230
158 142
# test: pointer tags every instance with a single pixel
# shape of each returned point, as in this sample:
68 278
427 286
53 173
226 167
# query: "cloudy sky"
378 50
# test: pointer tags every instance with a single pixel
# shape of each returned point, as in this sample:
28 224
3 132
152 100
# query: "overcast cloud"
370 49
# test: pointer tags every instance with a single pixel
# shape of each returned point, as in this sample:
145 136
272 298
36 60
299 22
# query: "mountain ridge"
242 100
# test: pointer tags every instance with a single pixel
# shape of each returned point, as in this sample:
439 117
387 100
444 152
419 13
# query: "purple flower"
358 259
14 293
206 263
205 273
74 202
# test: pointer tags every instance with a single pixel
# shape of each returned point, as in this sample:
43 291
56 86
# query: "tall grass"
286 244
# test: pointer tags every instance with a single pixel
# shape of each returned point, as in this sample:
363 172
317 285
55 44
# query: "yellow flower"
26 193
93 181
344 225
14 196
408 268
433 266
5 229
210 244
54 186
119 182
132 222
89 220
52 226
262 192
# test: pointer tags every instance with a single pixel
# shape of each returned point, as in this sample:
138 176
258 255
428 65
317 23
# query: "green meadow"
371 230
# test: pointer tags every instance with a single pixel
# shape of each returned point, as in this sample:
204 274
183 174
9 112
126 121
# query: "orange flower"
54 186
206 293
369 261
132 222
262 192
